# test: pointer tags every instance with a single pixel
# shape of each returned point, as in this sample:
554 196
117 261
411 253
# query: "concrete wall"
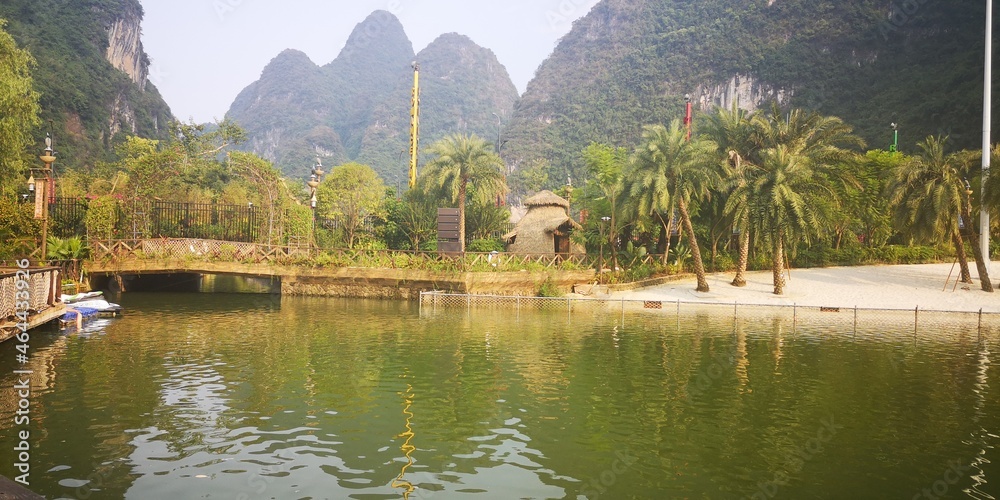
403 284
407 284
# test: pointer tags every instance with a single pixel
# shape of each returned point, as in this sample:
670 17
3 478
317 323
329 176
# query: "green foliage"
66 249
18 109
530 179
485 246
680 254
822 255
77 85
723 262
349 195
101 218
411 222
548 288
927 191
297 221
672 171
17 223
632 254
484 219
460 161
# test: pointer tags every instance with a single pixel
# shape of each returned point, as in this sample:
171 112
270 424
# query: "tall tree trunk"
778 265
663 241
984 274
699 267
668 228
461 214
963 259
741 266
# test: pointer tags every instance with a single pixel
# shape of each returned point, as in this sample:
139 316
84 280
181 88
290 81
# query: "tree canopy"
18 109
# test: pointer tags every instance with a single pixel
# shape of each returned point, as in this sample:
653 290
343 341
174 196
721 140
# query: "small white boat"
104 308
82 310
70 299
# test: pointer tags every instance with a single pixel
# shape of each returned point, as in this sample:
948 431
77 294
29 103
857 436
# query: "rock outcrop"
744 91
125 45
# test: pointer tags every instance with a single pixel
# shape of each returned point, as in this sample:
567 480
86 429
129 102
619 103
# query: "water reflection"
407 448
209 396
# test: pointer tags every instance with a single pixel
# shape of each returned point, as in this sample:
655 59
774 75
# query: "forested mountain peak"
357 107
379 39
629 63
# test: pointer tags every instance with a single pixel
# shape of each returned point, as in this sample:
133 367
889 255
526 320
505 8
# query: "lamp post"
895 138
314 181
39 183
984 214
688 116
604 222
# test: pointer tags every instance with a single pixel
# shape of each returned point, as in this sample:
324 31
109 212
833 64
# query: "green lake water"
196 396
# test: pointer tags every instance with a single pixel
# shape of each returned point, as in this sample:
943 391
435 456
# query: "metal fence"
163 219
67 216
856 320
166 219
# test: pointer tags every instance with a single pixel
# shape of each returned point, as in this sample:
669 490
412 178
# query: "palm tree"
930 196
782 189
736 139
790 180
461 159
668 170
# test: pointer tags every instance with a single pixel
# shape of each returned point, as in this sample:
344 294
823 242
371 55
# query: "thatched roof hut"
545 229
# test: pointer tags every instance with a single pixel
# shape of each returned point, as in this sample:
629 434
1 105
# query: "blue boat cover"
85 311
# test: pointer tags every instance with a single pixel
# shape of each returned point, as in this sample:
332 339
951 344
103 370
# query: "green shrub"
485 246
548 288
323 259
723 263
759 261
680 255
101 218
227 252
66 249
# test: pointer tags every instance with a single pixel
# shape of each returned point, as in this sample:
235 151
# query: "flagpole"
984 215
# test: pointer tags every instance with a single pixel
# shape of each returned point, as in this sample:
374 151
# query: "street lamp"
984 213
40 187
688 116
604 221
314 181
966 206
895 138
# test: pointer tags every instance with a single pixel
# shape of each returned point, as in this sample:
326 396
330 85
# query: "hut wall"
532 238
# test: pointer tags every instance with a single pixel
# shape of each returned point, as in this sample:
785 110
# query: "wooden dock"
10 490
44 292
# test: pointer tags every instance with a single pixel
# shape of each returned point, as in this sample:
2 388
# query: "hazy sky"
204 52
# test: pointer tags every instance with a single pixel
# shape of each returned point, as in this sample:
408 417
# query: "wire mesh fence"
856 321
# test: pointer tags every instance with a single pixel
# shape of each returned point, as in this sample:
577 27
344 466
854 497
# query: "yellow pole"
414 125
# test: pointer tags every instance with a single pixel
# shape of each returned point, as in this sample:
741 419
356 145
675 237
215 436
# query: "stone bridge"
339 273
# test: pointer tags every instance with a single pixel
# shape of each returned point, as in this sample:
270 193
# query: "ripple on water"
329 399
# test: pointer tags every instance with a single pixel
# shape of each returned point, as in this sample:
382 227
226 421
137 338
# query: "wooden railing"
42 290
255 253
184 248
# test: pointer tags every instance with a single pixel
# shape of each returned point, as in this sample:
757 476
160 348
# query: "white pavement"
874 287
